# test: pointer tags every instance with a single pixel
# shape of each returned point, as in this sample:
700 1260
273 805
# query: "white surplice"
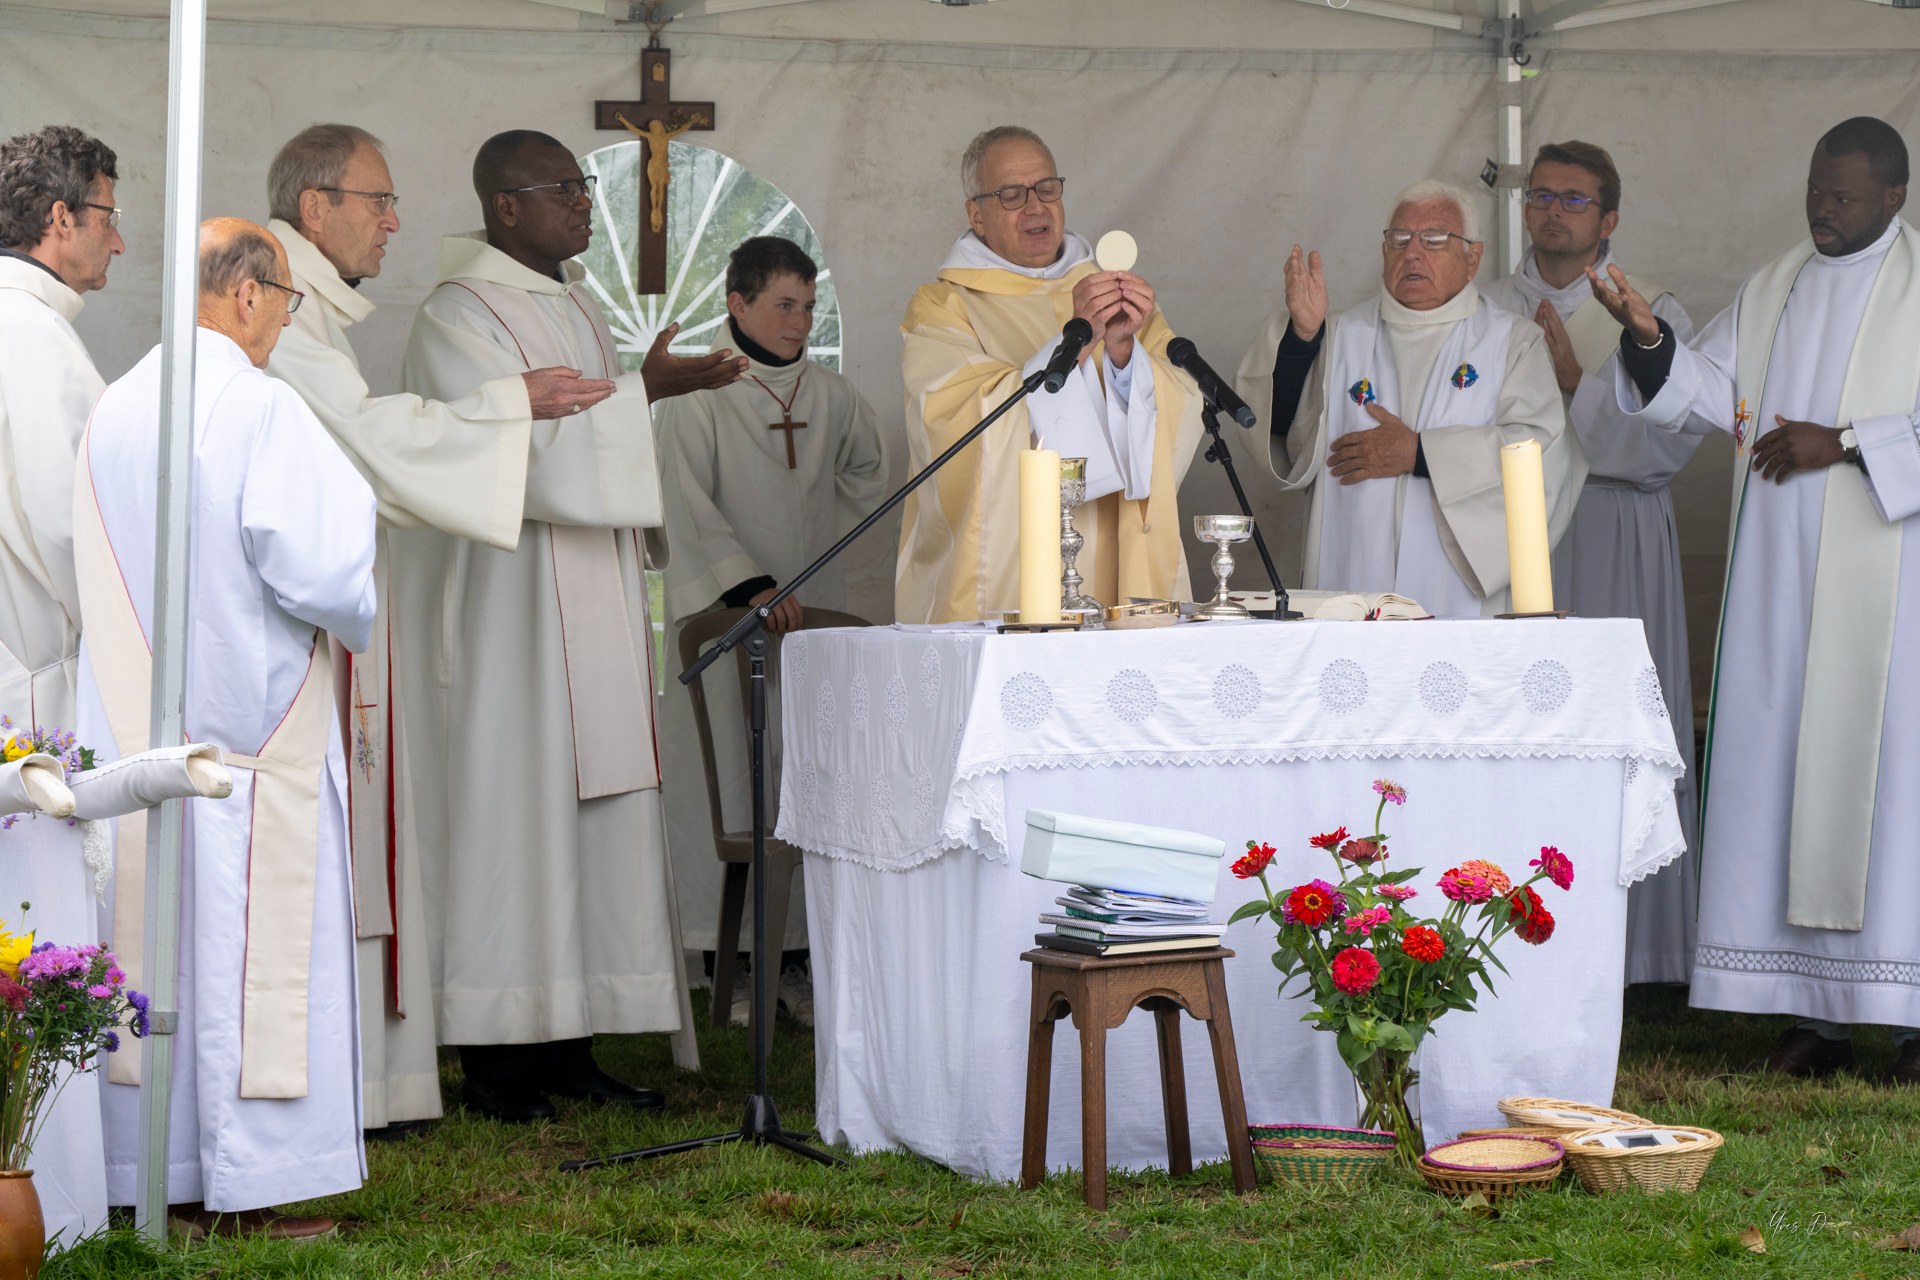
735 511
460 467
47 387
1469 379
1750 958
1620 558
282 533
550 915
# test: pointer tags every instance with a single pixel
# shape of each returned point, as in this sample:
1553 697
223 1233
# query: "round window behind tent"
713 203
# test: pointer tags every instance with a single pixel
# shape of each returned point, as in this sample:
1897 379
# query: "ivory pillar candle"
1039 535
1528 557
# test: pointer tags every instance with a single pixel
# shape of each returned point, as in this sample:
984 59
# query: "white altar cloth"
912 756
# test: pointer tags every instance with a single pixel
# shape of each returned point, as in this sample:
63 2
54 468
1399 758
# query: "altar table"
911 755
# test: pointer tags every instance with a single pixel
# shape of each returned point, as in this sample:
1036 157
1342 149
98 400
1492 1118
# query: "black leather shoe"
1804 1052
398 1131
508 1101
597 1086
1906 1065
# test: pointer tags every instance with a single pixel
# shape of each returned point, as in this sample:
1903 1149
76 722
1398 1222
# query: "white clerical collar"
1536 285
306 261
1452 311
468 256
1874 250
970 252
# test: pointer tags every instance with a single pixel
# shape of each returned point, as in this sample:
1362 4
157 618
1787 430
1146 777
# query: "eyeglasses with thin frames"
571 189
1571 201
1014 196
384 200
294 296
113 214
1434 241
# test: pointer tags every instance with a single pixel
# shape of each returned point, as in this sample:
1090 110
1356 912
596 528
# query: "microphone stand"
760 1124
1217 452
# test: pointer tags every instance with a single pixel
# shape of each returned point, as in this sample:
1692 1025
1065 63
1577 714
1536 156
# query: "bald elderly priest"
1402 406
993 317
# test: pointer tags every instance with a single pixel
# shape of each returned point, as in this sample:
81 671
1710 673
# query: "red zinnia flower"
1311 905
1557 865
1423 944
1355 971
1256 860
1364 851
1534 922
1331 840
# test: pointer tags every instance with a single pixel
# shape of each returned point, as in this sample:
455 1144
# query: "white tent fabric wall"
1216 159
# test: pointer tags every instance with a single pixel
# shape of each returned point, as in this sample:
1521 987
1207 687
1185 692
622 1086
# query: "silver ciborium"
1223 532
1073 492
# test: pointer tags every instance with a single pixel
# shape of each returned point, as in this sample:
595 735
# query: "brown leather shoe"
1804 1052
1906 1065
196 1222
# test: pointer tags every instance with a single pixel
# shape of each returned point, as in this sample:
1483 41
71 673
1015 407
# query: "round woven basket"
1561 1116
1494 1165
1319 1135
1320 1165
1677 1168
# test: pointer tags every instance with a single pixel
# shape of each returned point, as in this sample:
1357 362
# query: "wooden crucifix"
655 120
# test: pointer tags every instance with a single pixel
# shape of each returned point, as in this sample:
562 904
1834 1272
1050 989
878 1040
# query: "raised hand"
1306 293
560 392
668 375
1117 305
1624 303
1377 453
1566 368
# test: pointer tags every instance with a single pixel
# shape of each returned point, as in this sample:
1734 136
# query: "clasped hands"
1117 304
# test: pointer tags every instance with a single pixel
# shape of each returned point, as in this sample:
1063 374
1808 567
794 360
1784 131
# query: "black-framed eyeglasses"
383 200
113 214
571 189
1434 240
1014 196
294 296
1571 201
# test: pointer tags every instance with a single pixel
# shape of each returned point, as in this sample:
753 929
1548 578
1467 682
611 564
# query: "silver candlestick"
1223 532
1073 492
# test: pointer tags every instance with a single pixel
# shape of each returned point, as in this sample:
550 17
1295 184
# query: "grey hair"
315 158
40 169
248 253
983 142
1429 190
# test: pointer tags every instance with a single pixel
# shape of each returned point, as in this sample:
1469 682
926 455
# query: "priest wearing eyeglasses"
992 317
1393 415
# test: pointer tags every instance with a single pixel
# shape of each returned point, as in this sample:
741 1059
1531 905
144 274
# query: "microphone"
1074 338
1184 355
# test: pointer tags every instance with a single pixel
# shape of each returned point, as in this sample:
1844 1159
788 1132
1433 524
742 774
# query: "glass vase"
1388 1098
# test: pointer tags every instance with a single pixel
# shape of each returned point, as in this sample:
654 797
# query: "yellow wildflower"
18 746
12 951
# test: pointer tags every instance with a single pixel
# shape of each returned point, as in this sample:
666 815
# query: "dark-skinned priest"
525 677
1809 873
994 316
1395 412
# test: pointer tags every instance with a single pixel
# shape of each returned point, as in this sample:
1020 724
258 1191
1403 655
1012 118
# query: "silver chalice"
1223 532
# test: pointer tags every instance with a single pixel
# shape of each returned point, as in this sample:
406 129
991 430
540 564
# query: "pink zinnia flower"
1392 791
1557 865
1367 921
1491 872
1462 885
1355 971
1398 892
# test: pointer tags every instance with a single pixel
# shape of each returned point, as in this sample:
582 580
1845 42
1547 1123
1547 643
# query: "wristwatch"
1850 447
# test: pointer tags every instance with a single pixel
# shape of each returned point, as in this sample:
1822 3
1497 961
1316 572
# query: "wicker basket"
1319 1135
1562 1116
1677 1168
1335 1166
1493 1166
1514 1130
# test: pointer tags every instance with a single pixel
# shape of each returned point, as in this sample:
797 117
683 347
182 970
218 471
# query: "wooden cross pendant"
788 425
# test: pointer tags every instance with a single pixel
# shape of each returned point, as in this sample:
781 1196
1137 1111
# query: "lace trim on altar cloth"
1802 964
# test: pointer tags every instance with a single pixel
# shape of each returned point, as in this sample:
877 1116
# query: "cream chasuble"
266 1093
457 466
735 512
1468 379
1620 558
970 337
47 388
1795 917
549 894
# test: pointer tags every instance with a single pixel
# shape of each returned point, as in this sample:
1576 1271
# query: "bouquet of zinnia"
1379 975
59 1008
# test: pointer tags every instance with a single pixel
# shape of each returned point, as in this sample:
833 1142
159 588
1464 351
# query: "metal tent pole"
186 99
1509 236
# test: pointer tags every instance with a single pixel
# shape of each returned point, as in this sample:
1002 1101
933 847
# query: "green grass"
1822 1170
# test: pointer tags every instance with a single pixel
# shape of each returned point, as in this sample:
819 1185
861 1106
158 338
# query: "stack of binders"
1113 922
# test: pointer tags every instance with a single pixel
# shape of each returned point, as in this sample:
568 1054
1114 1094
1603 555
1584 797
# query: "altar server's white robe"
47 388
282 533
1620 558
460 467
1750 958
736 512
550 915
1468 379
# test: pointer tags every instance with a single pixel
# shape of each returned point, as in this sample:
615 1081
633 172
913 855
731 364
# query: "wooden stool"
1100 993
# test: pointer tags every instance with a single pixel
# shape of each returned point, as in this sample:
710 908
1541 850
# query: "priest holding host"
991 318
1620 557
1808 876
1394 413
